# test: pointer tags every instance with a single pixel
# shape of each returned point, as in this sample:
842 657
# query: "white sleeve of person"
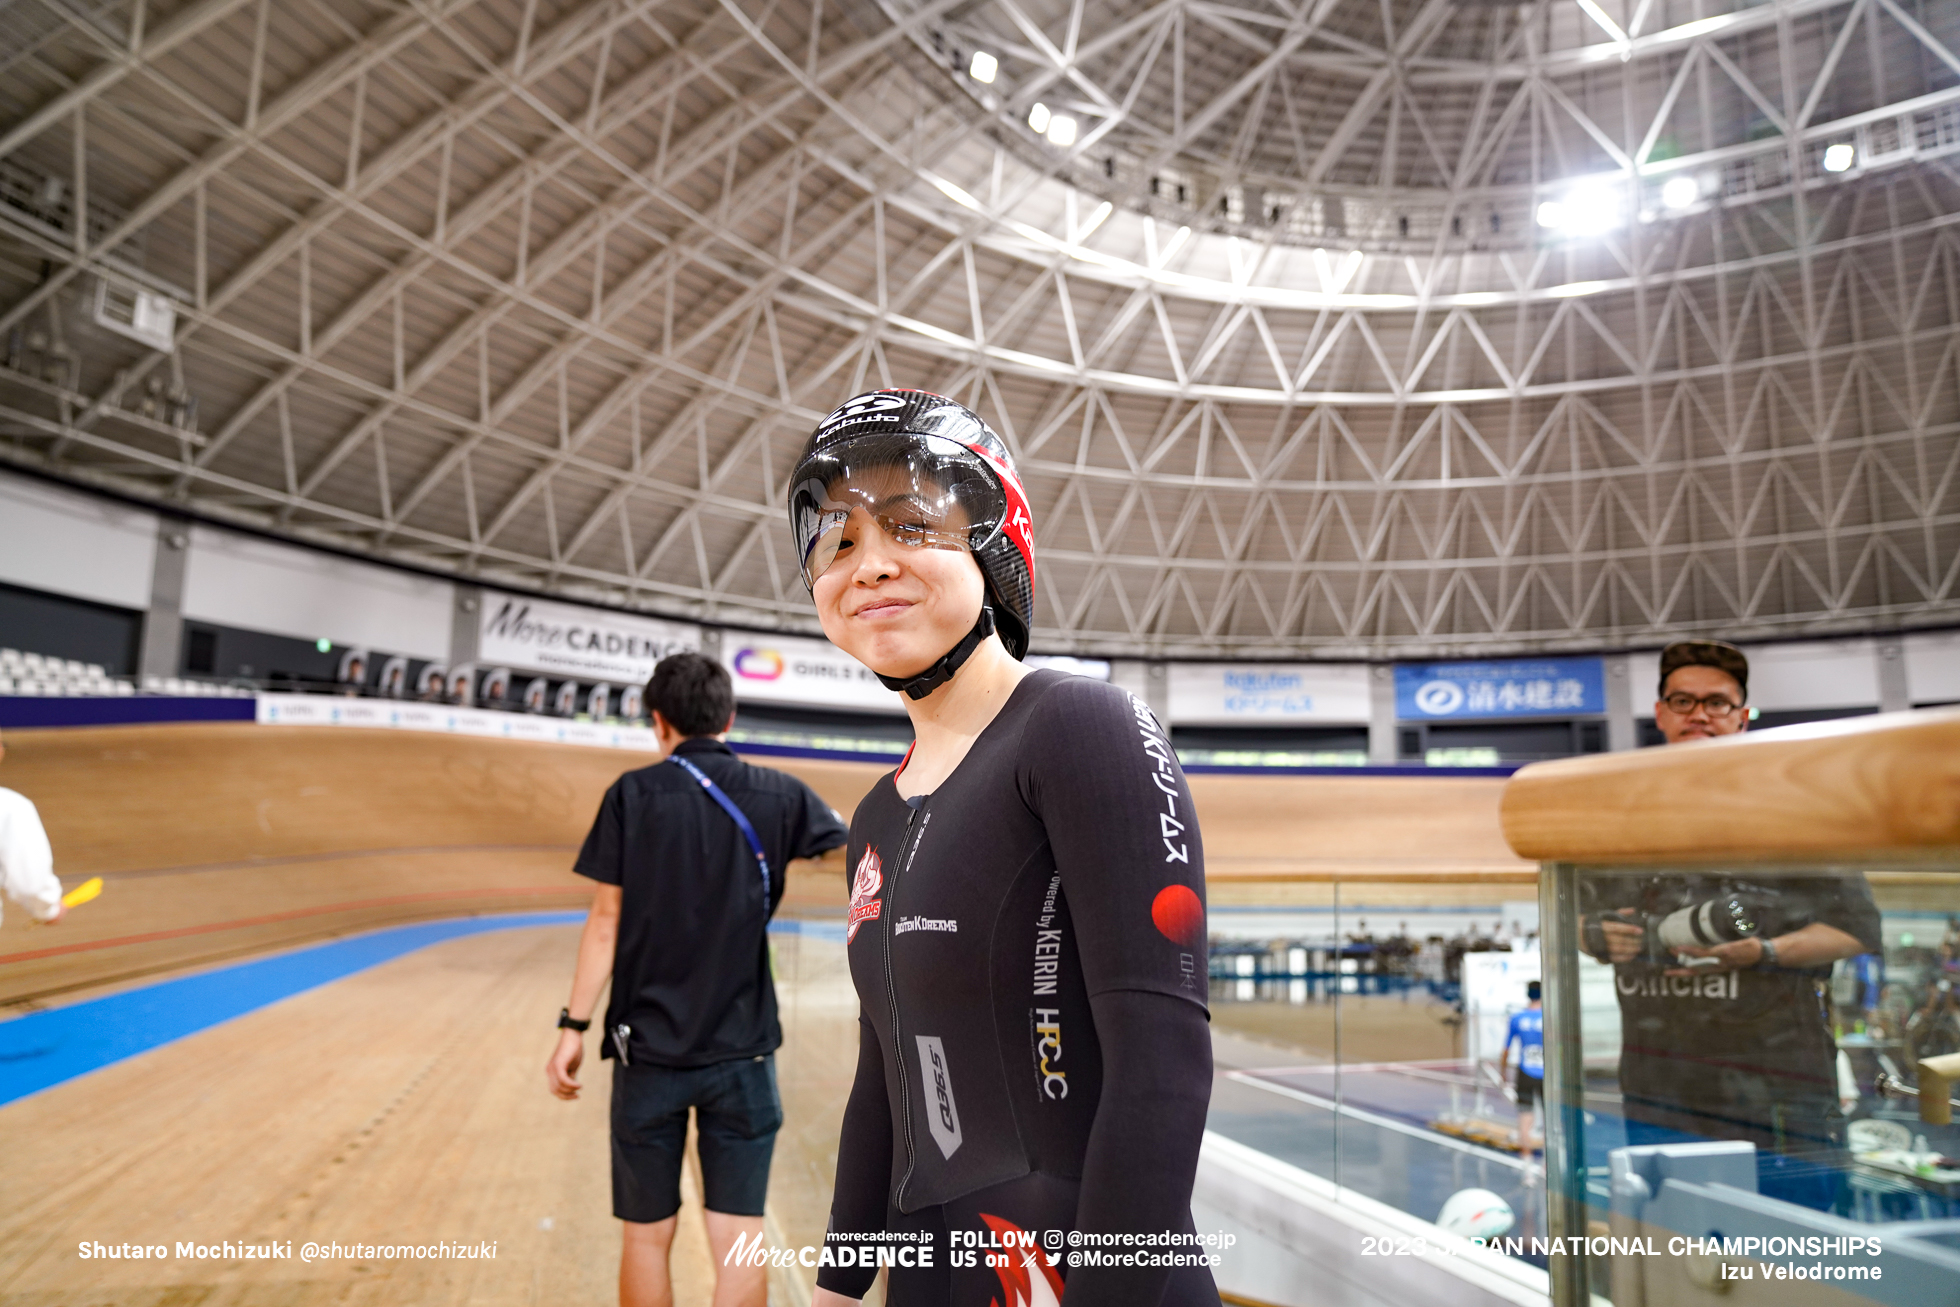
26 861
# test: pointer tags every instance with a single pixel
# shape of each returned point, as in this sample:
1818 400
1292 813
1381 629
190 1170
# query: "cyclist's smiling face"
894 597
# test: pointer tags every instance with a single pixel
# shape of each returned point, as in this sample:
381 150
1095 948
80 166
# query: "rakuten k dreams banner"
589 644
810 673
1225 694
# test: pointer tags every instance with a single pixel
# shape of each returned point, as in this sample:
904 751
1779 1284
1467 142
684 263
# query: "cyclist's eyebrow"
901 500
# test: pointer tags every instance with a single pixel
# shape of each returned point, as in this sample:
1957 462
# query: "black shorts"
1530 1088
737 1112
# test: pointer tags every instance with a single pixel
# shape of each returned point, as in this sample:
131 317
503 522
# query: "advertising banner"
1494 990
1524 687
385 714
797 670
1096 669
1224 694
590 644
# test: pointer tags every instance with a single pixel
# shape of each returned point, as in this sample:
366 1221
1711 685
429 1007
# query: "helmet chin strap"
918 687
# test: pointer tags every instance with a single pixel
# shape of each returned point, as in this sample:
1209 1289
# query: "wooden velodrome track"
219 841
406 1102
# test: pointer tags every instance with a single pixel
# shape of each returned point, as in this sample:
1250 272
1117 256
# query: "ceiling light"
1061 130
1839 157
984 67
1594 207
1591 208
1038 117
1680 192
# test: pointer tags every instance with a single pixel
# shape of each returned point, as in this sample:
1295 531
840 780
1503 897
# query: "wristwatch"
1767 962
565 1021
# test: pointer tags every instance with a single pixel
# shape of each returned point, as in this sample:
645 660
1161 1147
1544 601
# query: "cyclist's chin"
897 644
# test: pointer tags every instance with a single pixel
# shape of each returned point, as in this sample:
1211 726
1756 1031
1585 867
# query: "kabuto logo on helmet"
867 406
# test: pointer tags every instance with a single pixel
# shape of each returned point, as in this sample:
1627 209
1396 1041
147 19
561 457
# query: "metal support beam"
1383 746
1621 730
1894 694
465 625
1566 1176
162 651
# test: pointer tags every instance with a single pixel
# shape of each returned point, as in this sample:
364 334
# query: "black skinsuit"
1028 946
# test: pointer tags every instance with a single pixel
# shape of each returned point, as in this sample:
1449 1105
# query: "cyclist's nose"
877 553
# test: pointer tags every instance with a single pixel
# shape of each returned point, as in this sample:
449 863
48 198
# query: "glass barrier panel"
1751 1081
1358 1030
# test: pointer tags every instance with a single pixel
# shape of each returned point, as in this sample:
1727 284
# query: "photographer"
1726 1029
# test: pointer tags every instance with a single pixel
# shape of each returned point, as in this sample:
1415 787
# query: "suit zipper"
919 817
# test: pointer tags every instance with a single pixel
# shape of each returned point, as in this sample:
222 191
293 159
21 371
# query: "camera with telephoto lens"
1740 914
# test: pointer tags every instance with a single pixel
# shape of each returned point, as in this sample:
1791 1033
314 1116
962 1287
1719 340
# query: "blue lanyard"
741 821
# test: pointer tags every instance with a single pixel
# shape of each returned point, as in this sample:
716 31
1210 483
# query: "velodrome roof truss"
549 294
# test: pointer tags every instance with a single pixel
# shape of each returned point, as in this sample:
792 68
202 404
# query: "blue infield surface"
43 1049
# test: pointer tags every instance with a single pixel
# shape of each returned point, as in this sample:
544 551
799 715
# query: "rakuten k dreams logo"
865 905
1176 911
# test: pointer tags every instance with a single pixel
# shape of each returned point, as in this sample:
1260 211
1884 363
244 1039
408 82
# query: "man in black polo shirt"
678 922
1731 1040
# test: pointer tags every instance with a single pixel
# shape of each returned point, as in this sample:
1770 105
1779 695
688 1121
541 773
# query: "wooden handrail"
1867 789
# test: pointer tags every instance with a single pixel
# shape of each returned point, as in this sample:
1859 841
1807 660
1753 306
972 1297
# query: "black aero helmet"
936 475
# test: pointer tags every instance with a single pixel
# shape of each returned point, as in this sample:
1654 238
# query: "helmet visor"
923 492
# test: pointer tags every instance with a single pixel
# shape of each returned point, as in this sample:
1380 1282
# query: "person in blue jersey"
1026 929
1527 1035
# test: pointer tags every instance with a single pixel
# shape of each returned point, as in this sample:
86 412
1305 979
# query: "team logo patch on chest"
865 903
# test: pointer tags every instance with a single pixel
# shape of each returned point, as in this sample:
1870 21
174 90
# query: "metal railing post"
1565 1078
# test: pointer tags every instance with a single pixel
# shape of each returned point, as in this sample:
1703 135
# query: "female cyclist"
1026 928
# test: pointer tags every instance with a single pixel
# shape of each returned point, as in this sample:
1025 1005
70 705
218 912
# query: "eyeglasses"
1717 706
921 491
912 533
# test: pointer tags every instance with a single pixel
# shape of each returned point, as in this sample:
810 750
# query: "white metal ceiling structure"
1319 327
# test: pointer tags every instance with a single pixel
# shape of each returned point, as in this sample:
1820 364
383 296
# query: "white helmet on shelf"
1476 1214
